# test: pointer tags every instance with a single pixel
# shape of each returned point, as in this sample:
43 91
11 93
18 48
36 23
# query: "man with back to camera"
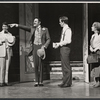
64 45
6 43
40 40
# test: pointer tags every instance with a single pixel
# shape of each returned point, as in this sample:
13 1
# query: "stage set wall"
80 15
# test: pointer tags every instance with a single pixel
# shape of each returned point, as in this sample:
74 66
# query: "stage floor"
79 89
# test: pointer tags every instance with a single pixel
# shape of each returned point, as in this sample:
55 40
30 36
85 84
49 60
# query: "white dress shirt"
8 38
66 36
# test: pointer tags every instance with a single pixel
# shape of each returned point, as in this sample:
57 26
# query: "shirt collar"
39 26
3 31
96 34
65 27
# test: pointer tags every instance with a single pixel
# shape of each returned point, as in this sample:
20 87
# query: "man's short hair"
4 23
38 19
64 19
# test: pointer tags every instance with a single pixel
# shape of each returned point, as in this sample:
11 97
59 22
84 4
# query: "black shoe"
64 86
1 84
60 84
6 84
41 84
36 85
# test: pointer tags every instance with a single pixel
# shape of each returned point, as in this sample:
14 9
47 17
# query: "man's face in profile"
61 23
5 27
36 22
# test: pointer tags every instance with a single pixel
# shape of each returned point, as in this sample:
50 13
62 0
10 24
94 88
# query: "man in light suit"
64 45
6 41
40 39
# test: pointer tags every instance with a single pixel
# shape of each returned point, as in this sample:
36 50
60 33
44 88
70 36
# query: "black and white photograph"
50 49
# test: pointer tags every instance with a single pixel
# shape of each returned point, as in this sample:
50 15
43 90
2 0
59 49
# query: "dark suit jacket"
45 37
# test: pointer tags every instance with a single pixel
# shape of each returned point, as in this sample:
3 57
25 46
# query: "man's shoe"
64 86
35 85
7 84
60 85
41 84
1 84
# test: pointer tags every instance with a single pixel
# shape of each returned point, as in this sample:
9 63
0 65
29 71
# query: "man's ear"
39 22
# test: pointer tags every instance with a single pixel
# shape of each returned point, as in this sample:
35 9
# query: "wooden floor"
79 89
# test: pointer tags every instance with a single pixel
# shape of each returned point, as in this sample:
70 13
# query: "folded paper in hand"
54 45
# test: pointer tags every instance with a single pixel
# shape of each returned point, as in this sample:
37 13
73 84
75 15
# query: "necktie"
5 32
37 30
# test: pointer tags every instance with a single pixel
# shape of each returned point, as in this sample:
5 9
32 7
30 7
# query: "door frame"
22 37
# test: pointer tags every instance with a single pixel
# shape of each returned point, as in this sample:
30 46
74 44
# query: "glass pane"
29 64
29 68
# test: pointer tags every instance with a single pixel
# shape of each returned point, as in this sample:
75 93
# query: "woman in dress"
95 48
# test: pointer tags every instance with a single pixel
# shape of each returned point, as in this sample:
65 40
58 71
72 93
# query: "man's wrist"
16 25
44 47
59 44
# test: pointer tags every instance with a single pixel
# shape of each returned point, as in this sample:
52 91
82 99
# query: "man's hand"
56 45
2 40
43 47
13 25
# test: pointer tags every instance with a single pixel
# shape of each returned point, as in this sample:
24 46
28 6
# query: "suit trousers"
4 67
65 63
37 64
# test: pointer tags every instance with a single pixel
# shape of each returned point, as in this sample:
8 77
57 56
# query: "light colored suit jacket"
6 41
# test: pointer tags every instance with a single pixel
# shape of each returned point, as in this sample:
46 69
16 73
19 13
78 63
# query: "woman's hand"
91 49
95 50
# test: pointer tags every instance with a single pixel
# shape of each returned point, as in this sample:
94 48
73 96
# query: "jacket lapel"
42 32
32 33
30 41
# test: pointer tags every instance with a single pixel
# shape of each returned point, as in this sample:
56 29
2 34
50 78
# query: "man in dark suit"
64 45
40 39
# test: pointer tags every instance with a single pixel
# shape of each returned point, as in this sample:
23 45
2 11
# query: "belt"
37 43
68 45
